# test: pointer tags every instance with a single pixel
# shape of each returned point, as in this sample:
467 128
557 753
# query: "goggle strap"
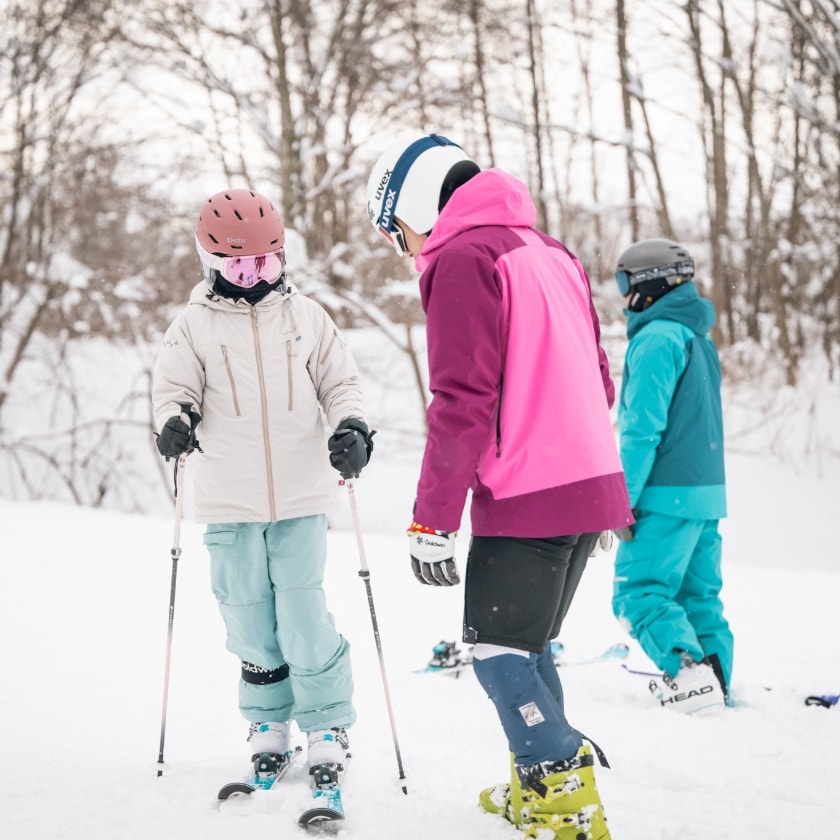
627 280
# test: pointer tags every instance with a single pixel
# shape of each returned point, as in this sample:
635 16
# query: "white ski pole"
176 553
364 574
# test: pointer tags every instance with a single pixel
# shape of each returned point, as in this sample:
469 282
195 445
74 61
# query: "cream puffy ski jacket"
270 382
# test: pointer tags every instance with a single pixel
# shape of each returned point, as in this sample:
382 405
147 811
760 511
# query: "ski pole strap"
257 675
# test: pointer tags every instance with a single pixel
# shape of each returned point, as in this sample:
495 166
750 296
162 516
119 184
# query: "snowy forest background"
716 123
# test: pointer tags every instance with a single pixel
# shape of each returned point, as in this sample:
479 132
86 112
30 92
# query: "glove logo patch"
531 714
431 542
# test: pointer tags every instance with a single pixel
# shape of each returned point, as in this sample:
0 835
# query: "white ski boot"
694 690
270 751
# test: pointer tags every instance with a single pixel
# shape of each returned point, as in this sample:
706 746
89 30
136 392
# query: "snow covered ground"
83 617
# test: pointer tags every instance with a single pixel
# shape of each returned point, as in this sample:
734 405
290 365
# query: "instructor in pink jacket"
520 417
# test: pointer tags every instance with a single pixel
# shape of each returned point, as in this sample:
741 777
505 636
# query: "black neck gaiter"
253 295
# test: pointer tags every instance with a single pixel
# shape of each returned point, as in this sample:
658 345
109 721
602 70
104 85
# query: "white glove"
605 541
432 555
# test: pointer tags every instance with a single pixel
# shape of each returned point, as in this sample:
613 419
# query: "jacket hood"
491 197
202 295
682 304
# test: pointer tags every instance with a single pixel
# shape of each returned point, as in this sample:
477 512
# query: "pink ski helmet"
238 223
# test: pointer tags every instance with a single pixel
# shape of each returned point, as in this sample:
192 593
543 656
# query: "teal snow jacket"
669 415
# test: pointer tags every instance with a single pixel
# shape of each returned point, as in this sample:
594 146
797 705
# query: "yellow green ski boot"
551 801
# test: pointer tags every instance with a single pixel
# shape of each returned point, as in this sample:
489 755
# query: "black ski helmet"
650 268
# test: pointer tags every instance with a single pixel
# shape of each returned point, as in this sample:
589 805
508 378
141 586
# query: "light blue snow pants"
667 588
268 579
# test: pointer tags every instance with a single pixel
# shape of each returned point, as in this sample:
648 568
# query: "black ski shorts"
518 590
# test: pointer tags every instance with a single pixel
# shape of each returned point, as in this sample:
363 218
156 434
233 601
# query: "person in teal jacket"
668 565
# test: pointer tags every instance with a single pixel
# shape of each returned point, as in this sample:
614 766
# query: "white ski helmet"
408 181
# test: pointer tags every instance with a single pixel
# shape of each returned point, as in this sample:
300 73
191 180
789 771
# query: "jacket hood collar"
203 295
682 304
492 197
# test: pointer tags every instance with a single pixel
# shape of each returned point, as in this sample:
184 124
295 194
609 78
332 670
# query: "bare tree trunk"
662 214
534 58
627 105
480 72
288 152
714 142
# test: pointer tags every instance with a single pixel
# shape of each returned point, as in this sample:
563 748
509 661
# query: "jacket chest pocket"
291 352
231 379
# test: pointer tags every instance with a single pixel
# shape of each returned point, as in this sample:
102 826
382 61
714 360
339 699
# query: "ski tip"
321 819
825 701
235 789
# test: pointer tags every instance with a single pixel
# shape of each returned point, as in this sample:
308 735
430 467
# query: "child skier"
520 416
668 565
261 367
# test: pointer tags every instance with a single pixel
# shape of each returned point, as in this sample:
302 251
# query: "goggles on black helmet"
626 280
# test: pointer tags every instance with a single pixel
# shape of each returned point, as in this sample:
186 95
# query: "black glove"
351 445
178 433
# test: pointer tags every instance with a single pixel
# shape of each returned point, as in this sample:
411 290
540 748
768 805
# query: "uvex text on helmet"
406 182
239 222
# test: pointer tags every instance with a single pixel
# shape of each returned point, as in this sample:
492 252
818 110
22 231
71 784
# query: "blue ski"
267 773
327 810
824 700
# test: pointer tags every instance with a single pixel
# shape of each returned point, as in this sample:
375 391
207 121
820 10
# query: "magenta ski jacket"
520 384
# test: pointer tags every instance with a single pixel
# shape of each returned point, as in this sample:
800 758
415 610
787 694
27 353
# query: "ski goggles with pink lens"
245 271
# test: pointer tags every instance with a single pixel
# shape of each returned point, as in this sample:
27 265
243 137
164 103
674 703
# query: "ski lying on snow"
824 700
259 780
447 657
326 810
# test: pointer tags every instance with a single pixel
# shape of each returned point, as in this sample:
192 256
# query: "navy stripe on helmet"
400 173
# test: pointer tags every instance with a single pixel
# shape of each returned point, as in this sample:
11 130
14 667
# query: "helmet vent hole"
210 235
238 215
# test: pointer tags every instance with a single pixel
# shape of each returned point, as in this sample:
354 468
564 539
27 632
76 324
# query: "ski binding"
269 768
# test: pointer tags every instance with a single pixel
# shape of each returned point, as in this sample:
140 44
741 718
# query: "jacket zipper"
264 409
232 381
499 420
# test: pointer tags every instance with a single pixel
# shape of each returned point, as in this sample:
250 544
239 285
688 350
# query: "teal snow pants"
667 589
268 579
